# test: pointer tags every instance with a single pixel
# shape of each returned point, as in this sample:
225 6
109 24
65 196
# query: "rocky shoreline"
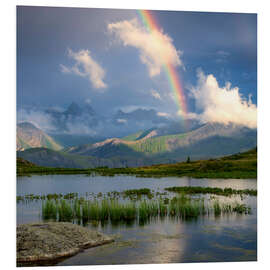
54 240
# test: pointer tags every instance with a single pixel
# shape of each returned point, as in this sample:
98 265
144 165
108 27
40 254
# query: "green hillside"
49 158
133 137
25 167
209 140
155 145
68 140
138 136
241 165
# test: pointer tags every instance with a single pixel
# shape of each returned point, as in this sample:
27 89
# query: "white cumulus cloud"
122 121
37 118
222 104
155 94
163 114
155 48
85 66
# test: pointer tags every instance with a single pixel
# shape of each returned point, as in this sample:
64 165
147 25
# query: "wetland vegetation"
115 211
147 196
134 206
139 205
136 194
212 190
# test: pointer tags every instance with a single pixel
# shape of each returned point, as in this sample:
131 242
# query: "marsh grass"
138 193
65 211
122 211
49 210
50 196
163 208
112 210
217 208
227 208
212 190
143 211
77 209
242 209
185 208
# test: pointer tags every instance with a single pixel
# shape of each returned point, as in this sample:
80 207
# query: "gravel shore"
54 240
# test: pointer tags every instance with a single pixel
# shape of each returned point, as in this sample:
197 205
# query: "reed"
217 208
137 193
227 208
105 209
49 210
184 207
65 211
77 209
85 212
163 209
143 212
93 210
130 212
241 209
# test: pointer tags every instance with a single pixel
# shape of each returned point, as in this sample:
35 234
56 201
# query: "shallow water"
227 238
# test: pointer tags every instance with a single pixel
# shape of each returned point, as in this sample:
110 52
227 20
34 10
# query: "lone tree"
188 159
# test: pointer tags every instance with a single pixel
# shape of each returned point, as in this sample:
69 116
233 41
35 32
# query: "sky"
108 58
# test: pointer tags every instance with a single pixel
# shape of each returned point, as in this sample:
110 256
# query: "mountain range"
82 120
223 139
165 144
29 136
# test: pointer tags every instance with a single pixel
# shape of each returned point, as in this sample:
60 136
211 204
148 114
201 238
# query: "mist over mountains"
79 124
208 140
164 141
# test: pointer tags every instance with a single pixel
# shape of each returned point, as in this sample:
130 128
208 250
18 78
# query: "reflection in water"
227 238
45 184
168 242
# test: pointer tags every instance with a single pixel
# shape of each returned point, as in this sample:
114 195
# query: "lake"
225 238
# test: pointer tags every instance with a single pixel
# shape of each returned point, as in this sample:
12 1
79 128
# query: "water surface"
226 238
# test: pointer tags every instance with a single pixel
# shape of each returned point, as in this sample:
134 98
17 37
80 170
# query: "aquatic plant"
241 209
217 208
77 209
142 209
131 193
212 190
70 196
49 210
93 210
185 207
65 211
162 208
113 210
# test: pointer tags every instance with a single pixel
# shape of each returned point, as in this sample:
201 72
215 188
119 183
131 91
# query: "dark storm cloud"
45 34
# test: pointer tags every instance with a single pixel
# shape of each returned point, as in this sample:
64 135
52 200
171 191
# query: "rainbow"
173 79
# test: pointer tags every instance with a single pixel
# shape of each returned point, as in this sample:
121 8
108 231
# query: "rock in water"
54 240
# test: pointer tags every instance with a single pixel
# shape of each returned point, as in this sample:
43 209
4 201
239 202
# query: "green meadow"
242 165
